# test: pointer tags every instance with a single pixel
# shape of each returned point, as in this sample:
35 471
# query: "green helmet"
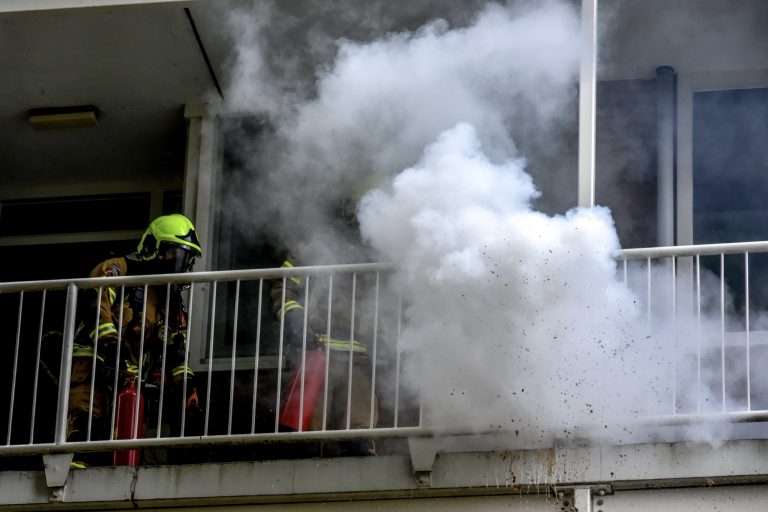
173 231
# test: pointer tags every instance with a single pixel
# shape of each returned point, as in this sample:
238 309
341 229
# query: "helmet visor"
176 259
193 244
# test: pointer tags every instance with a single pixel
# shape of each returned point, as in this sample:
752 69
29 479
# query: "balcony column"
665 163
587 85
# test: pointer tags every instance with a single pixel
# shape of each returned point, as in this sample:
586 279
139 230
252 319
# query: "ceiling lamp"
63 117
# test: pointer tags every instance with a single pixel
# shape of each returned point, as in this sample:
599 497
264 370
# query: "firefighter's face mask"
175 259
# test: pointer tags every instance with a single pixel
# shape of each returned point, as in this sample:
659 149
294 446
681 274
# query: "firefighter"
169 245
337 349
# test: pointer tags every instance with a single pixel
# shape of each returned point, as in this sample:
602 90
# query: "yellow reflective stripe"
104 329
290 305
131 368
79 350
112 295
294 279
336 344
182 369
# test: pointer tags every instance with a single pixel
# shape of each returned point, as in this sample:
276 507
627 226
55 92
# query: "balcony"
699 306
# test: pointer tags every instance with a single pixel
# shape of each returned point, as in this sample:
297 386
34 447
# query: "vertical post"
587 87
200 192
60 435
582 499
746 329
665 161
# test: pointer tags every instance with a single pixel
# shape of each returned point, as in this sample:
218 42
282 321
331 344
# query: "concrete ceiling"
140 64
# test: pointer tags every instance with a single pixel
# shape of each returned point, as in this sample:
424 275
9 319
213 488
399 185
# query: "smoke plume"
516 318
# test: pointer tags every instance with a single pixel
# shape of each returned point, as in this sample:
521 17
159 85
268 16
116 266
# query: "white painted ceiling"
140 64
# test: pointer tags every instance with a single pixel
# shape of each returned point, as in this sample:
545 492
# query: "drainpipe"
665 163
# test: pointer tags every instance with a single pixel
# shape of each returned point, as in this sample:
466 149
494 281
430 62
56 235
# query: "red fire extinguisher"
314 379
125 424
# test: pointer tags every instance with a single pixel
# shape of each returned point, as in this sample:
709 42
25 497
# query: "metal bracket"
579 498
423 452
57 468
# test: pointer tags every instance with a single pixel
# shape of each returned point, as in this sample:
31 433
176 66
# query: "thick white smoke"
371 111
517 317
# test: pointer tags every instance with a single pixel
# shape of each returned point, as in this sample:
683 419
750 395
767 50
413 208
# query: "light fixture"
63 117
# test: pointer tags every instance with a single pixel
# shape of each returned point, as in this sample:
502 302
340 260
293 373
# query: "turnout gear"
322 351
130 315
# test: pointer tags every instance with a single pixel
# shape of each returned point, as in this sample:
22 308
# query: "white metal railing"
679 293
700 298
361 296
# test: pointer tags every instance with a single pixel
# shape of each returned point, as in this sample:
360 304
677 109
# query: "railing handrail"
193 277
692 250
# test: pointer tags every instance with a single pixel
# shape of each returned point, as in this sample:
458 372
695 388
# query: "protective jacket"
128 313
343 405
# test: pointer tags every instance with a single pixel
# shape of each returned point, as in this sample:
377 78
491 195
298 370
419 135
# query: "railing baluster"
117 363
303 427
140 364
162 360
186 360
210 360
15 365
37 367
674 335
375 348
234 355
256 357
397 355
327 351
648 263
351 353
280 356
94 360
698 332
65 370
722 328
746 329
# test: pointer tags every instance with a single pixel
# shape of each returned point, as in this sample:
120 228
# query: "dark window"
82 214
